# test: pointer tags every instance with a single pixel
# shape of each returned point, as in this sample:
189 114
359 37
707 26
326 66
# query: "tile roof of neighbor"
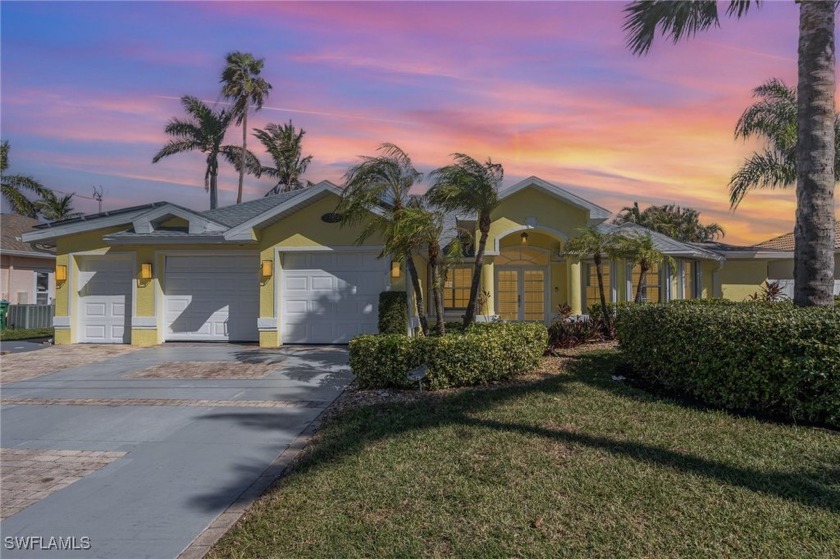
240 213
785 242
12 226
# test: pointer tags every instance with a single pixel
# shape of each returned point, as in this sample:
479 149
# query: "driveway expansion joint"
164 402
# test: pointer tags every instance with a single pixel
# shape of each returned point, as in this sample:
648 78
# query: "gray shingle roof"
240 213
663 243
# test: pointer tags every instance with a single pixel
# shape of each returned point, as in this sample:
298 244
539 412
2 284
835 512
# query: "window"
691 284
42 288
650 289
456 290
593 296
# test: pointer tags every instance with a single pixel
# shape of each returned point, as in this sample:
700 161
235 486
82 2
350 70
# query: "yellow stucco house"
283 269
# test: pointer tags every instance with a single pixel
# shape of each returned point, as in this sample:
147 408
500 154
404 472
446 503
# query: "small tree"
56 208
641 250
591 242
283 144
13 187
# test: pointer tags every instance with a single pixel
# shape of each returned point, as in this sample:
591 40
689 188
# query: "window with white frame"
42 288
651 286
456 289
691 279
593 295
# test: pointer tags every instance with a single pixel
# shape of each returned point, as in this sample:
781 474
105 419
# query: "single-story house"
26 271
284 269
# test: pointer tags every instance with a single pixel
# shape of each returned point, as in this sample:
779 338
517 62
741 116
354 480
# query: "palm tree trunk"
242 155
434 267
604 310
484 228
214 191
642 277
418 294
813 263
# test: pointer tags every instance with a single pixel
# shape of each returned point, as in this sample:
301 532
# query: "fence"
30 316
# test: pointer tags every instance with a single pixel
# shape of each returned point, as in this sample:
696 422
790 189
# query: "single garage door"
330 297
212 298
105 284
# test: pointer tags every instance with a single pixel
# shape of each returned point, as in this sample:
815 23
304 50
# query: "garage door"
330 297
212 298
105 299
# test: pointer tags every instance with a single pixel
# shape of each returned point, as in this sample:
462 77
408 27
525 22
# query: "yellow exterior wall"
741 278
707 285
175 222
547 210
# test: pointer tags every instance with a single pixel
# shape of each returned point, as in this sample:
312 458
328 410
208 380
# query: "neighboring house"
747 267
26 271
282 269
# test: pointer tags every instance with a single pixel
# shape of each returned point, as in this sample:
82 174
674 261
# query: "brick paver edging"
201 545
163 402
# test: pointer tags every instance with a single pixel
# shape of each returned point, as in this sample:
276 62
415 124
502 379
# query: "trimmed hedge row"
484 353
771 358
393 312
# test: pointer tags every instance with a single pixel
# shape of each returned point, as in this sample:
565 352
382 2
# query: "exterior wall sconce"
146 271
61 272
266 268
524 237
395 269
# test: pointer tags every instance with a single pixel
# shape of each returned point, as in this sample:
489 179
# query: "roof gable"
596 213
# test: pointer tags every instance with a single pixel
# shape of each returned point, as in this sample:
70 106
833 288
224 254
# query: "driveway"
19 346
135 455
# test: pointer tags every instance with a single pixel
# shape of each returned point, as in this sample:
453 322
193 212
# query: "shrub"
567 331
771 358
393 312
484 353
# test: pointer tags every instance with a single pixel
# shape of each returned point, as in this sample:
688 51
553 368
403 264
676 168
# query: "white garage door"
105 299
212 298
330 297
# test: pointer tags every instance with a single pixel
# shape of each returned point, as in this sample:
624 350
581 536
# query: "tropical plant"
204 130
773 119
679 223
592 242
641 250
55 208
769 292
242 84
375 192
469 186
283 144
13 187
815 144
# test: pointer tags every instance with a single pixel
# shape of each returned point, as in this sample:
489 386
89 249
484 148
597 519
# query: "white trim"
322 248
520 269
61 322
197 223
143 322
267 324
595 212
498 238
168 240
74 295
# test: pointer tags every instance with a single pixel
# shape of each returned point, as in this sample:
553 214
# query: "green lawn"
573 465
25 334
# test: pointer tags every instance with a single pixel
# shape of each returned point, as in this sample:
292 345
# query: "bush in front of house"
488 353
770 358
393 312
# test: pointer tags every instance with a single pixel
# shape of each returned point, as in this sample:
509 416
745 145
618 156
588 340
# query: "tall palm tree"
682 224
381 184
591 242
641 250
283 144
773 119
55 208
204 130
469 186
813 268
13 187
242 84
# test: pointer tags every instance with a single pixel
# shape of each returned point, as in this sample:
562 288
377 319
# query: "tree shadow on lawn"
352 431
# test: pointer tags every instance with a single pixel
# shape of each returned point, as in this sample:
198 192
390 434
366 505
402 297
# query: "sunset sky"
546 89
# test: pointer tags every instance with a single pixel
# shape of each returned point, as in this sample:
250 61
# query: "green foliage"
393 312
26 334
491 352
283 144
13 187
771 358
679 223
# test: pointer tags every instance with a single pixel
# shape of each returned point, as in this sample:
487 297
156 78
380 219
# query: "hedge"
393 312
488 353
771 358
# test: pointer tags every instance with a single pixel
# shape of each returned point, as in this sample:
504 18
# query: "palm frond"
675 20
176 146
768 169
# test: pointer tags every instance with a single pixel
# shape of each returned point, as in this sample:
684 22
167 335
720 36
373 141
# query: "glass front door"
520 293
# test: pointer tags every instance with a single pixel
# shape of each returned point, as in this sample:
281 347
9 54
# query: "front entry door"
520 293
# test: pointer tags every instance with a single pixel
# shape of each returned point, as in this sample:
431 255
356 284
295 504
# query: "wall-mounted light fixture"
146 271
524 237
395 269
266 268
61 272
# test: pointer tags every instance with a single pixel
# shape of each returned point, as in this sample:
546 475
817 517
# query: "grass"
574 465
26 333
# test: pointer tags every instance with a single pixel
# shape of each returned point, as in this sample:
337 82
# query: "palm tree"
813 268
641 250
204 131
283 144
591 242
773 119
682 224
55 208
14 185
380 185
243 85
469 186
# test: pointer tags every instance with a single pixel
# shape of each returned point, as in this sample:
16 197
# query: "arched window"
522 256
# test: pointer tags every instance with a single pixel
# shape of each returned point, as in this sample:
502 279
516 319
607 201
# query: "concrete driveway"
135 455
